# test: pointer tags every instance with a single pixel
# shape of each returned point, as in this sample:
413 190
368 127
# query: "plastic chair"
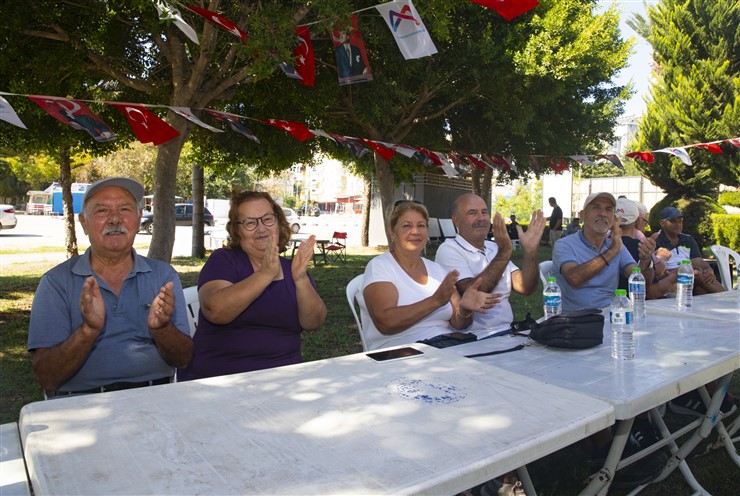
353 289
545 271
193 307
448 228
433 230
337 250
723 255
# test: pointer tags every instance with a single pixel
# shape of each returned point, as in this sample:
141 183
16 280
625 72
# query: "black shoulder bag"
578 330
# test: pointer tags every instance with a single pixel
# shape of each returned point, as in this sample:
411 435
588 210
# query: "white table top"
672 356
718 306
437 424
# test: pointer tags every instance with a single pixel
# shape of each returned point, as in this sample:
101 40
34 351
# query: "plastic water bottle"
637 295
684 285
622 326
551 295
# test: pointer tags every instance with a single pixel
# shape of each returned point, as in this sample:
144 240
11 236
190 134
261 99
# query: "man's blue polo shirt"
597 292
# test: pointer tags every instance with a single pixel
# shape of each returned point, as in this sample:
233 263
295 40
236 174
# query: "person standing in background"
556 221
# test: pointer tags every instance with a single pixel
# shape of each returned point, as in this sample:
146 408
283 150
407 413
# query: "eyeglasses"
401 202
250 223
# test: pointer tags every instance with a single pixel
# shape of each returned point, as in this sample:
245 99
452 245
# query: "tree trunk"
475 174
367 196
67 203
386 183
199 250
485 187
165 179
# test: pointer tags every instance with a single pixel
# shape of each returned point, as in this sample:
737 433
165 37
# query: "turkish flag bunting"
558 167
386 153
499 162
219 20
735 141
432 156
712 147
305 64
298 130
147 127
644 156
478 163
508 9
76 115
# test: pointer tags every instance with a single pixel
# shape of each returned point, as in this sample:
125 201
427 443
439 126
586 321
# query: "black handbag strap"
497 352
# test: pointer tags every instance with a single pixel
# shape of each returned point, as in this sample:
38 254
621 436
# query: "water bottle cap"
685 262
620 292
551 279
635 269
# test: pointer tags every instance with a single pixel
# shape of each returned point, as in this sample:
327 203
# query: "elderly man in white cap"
108 319
588 264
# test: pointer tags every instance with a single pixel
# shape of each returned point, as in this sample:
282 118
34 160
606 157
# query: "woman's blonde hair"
232 227
403 206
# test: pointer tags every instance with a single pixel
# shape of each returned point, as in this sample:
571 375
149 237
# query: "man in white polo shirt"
473 256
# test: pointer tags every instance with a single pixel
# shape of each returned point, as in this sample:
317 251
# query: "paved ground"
38 231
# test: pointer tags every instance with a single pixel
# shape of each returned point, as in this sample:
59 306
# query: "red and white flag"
479 164
75 114
188 114
644 156
386 153
7 114
612 158
220 21
147 127
169 13
305 63
509 9
581 159
677 152
407 28
711 147
296 129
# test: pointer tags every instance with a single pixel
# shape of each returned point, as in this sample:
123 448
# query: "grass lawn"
558 474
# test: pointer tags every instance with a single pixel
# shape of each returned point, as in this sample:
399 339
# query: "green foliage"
694 96
727 230
729 198
524 201
697 217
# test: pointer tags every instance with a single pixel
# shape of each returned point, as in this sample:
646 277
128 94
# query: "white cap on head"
594 196
626 211
131 185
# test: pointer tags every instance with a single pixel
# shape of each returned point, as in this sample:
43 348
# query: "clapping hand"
92 305
271 258
500 234
444 292
530 239
477 301
163 306
303 255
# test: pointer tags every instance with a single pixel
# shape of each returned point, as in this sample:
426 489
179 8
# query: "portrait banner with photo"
75 114
352 63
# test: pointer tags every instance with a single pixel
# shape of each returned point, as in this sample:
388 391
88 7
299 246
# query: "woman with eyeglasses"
406 298
254 304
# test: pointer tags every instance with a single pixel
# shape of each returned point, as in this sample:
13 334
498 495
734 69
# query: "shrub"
697 219
730 198
727 230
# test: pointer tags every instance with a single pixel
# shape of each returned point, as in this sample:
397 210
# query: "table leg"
600 482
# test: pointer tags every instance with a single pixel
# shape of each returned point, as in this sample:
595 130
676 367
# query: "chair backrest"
353 289
545 271
448 228
433 230
193 307
723 255
339 235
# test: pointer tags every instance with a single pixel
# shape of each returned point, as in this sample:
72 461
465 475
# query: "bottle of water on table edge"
622 326
552 297
684 285
637 295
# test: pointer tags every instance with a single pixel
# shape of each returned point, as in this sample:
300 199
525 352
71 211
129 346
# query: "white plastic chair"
448 228
723 255
353 289
433 230
545 271
193 307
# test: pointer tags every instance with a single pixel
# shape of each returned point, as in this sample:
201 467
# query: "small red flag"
305 64
76 115
219 20
386 153
298 130
712 147
147 127
644 156
508 9
478 163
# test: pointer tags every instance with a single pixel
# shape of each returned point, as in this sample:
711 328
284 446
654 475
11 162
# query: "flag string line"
391 146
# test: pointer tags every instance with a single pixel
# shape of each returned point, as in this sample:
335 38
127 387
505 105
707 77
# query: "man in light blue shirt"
587 264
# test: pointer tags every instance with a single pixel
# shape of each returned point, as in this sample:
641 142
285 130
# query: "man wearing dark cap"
108 319
683 247
588 264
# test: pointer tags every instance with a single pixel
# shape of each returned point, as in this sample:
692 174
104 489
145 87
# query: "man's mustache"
116 229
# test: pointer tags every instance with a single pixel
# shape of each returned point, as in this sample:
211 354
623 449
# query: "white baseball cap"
627 211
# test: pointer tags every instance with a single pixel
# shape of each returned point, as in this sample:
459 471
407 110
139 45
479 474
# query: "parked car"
183 217
312 211
7 217
293 219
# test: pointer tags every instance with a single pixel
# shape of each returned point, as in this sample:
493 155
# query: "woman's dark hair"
232 227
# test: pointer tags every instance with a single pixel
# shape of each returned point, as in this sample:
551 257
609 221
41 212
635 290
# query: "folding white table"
673 356
433 424
723 306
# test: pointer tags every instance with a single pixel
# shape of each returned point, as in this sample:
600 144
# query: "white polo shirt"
458 254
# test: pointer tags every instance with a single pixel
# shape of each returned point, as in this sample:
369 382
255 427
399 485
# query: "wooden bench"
13 475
